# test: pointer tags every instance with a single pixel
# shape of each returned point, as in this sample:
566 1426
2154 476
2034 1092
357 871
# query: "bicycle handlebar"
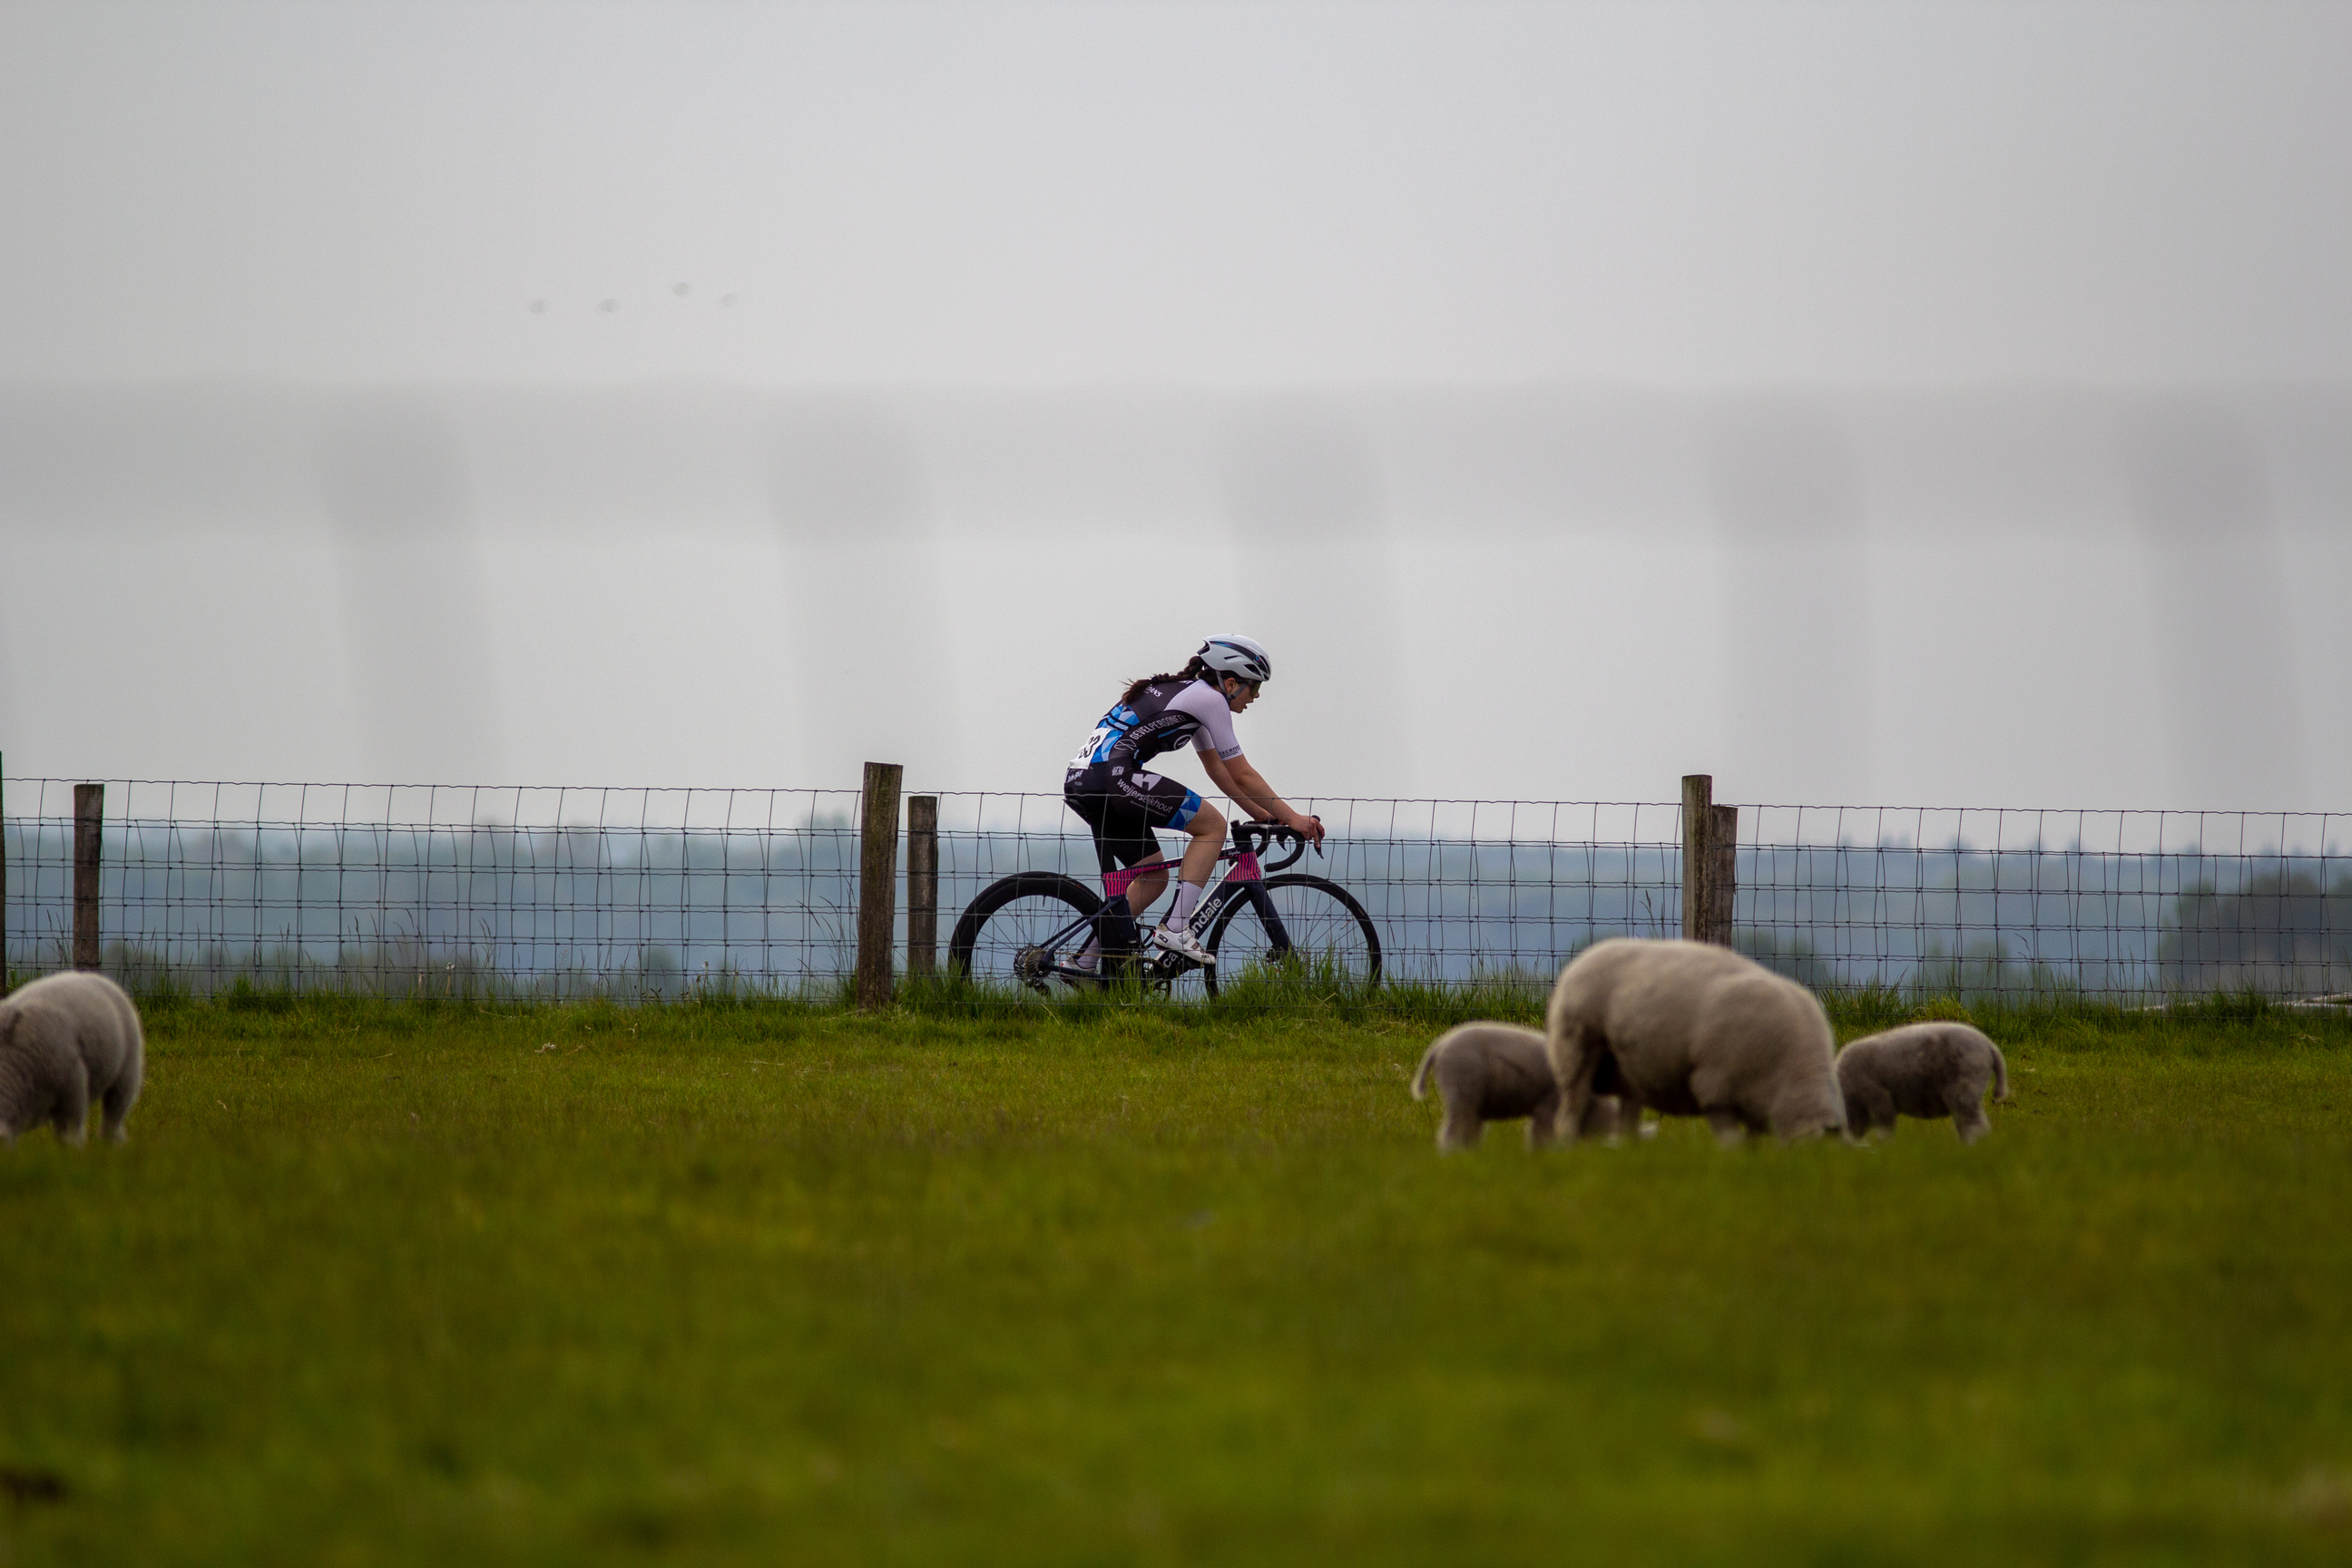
1252 837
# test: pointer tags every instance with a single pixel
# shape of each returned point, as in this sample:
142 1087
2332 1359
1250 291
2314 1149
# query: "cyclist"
1122 802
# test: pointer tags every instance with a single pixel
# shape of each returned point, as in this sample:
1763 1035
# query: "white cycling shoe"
1183 943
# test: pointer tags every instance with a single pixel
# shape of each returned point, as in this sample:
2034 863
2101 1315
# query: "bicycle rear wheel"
1001 939
1296 926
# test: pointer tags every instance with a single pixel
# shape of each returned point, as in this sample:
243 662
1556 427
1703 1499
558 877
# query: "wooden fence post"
90 811
1698 828
877 883
1723 871
922 885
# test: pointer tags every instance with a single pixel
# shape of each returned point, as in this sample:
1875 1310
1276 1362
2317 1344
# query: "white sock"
1188 898
1089 954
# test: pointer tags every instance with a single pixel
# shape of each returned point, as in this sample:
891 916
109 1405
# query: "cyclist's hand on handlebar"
1312 826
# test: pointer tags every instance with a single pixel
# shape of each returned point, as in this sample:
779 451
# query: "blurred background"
1944 404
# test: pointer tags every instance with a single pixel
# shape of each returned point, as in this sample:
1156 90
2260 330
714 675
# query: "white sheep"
1927 1070
1500 1072
65 1041
1690 1029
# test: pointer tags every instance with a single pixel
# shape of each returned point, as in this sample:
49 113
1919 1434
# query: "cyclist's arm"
1248 789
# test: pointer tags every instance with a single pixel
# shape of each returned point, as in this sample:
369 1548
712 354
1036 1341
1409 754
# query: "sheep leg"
70 1116
1609 1117
1462 1129
1876 1108
1969 1119
1712 1089
1612 1111
1543 1122
120 1095
1584 1053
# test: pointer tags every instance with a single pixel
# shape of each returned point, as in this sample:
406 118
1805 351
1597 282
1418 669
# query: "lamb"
65 1041
1691 1029
1928 1070
1500 1072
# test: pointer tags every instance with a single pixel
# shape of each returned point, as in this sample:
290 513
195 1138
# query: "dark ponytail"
1194 670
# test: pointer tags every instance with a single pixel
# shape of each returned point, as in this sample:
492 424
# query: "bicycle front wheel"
1297 927
1007 936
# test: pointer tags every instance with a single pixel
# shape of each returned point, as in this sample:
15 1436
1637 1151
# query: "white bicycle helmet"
1238 656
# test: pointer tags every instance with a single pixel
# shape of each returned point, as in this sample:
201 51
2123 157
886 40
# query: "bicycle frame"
1239 871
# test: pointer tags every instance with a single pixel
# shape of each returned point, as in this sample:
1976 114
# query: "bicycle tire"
1049 897
1311 915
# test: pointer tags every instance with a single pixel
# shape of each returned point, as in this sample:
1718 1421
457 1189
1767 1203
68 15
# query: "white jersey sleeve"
1207 704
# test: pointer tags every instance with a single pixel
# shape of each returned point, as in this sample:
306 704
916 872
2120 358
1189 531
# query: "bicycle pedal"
1183 944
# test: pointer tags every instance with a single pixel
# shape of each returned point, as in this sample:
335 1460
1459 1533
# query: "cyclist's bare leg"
1148 886
1208 837
1140 893
1207 830
1174 933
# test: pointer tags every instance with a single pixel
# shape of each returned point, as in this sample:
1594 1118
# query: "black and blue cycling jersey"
1117 797
1163 716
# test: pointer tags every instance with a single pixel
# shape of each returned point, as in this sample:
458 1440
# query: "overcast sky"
1215 278
1285 192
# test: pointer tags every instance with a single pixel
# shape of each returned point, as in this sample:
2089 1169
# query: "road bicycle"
1025 929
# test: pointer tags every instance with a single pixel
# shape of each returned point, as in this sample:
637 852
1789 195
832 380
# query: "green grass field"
394 1283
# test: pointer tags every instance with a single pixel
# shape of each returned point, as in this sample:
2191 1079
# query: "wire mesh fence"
442 890
647 893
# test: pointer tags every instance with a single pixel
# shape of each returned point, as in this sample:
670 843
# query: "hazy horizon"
2018 597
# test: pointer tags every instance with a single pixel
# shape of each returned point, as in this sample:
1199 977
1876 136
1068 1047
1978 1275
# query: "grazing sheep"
65 1041
1690 1029
1927 1070
1499 1072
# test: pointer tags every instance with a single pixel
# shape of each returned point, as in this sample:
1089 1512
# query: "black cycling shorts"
1123 810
